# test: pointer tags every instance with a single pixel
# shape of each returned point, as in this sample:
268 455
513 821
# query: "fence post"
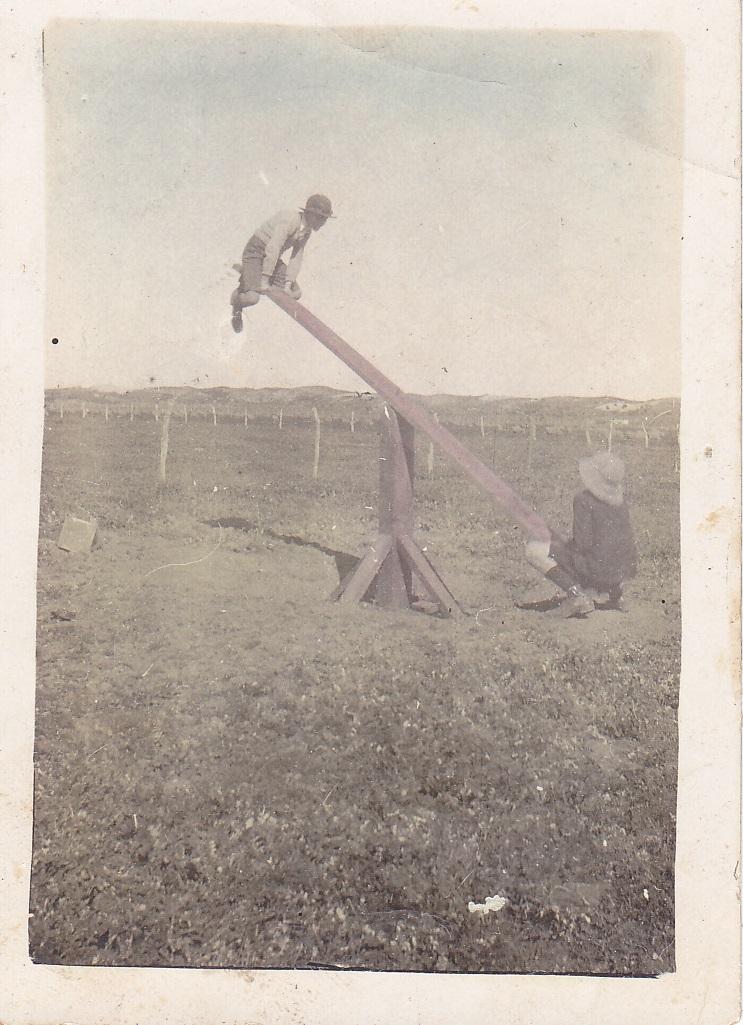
61 410
164 435
85 410
430 461
532 439
281 418
316 464
352 421
106 413
588 436
246 416
214 415
611 432
185 413
645 432
482 426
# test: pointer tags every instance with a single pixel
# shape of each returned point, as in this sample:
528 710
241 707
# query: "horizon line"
351 391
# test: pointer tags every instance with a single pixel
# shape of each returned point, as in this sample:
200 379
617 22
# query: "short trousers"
252 267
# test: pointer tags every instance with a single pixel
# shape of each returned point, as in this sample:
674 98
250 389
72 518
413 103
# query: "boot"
576 602
237 313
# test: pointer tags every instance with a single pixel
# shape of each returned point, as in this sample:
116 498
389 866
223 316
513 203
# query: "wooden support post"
281 418
246 416
394 559
131 411
482 427
61 410
85 410
185 413
588 436
106 414
316 462
611 432
437 589
396 469
352 421
214 415
358 582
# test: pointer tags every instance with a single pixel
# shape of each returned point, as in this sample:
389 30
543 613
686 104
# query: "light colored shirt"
285 230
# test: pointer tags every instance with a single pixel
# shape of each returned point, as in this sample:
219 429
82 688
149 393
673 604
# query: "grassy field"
232 770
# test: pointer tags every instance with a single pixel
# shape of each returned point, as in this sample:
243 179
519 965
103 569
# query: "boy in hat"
601 553
262 265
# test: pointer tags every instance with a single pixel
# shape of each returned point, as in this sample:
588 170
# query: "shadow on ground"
345 563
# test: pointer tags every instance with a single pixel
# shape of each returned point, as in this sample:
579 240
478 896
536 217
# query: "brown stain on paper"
714 519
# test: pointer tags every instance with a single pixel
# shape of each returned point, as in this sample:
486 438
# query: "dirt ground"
233 770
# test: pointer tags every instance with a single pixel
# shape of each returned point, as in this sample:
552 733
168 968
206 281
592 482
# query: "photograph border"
705 986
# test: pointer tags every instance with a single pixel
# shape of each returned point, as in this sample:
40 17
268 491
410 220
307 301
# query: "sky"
508 205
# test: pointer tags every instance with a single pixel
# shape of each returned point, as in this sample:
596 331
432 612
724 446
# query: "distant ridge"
321 393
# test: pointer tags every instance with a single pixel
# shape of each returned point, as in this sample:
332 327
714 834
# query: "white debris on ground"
491 904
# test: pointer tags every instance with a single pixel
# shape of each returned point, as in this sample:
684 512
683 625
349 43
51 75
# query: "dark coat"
601 553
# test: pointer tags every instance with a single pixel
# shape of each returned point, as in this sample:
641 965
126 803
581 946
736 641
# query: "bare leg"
538 555
576 603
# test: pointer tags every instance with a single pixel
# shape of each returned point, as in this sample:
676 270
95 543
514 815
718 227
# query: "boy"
262 265
601 553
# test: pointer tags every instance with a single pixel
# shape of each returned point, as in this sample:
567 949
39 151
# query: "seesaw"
394 558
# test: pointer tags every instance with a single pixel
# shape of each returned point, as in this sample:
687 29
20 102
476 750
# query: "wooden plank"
419 417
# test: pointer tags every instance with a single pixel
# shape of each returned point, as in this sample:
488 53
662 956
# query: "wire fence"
600 430
481 432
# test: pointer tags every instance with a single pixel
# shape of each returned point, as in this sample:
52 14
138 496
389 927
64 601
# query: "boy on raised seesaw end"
601 553
262 265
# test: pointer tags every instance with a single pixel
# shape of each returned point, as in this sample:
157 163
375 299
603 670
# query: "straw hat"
603 475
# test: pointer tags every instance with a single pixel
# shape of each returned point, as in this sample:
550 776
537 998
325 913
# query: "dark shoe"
543 605
578 605
237 319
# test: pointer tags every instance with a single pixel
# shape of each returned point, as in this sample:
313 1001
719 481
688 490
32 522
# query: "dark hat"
603 475
320 205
